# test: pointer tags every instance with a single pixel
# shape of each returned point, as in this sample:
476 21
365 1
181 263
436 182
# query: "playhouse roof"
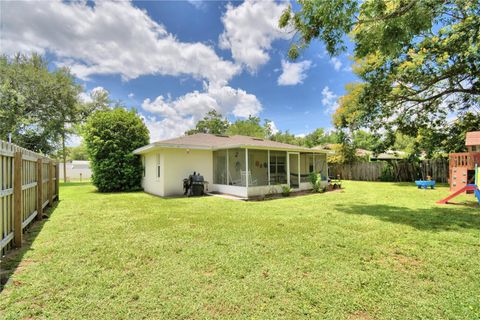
473 138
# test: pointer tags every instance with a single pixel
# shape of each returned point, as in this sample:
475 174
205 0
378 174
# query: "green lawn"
372 251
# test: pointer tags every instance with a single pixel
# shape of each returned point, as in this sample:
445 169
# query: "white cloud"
131 95
88 97
182 113
337 64
273 127
199 4
293 73
250 29
329 100
161 129
108 38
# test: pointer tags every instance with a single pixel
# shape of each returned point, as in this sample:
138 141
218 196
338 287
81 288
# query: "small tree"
110 137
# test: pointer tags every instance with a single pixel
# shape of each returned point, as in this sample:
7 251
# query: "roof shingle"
212 141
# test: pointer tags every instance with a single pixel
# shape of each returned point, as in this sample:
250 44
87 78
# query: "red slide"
468 187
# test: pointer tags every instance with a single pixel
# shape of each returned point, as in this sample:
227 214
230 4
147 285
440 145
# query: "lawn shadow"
435 219
13 259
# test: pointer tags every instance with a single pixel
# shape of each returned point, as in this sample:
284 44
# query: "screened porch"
248 172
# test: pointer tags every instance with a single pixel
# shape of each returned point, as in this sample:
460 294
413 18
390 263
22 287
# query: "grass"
372 251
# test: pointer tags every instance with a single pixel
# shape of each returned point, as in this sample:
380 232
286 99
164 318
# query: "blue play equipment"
424 184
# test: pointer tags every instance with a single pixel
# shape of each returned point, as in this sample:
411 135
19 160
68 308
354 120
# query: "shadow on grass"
12 260
435 219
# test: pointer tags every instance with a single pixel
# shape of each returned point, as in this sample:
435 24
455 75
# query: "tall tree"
419 61
250 127
213 123
37 106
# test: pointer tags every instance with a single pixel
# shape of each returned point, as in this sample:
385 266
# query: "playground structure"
464 175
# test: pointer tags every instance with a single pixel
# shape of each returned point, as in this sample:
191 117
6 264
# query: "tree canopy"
110 138
418 61
213 123
37 106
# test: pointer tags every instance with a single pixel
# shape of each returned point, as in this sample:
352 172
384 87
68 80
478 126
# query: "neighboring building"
237 165
77 170
388 155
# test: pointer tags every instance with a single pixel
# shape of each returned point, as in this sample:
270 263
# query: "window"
143 165
158 166
475 148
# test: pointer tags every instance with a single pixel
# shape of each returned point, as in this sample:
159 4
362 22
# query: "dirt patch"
360 315
407 262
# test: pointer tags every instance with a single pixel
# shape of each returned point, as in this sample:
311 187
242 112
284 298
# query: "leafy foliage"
316 180
419 61
38 107
213 123
110 137
251 127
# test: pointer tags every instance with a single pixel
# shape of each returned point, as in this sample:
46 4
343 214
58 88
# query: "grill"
194 185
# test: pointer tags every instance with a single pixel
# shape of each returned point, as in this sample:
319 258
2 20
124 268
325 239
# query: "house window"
475 148
143 165
158 166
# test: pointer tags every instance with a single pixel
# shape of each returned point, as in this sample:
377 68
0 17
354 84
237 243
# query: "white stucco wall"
175 165
150 182
180 163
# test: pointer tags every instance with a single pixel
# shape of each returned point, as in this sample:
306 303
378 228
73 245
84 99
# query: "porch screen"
220 167
306 166
257 168
278 167
236 167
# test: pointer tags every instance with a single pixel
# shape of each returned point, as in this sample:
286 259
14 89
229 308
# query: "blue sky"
173 61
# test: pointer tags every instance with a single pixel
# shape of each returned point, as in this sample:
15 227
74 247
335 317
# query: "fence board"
398 171
23 189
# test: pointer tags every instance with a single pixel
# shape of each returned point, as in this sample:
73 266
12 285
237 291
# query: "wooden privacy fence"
28 184
399 171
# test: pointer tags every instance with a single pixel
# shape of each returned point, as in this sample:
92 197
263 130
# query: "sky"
174 61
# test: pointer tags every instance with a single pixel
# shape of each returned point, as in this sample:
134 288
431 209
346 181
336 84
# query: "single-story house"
236 165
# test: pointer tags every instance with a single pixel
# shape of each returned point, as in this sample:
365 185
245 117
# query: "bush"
387 173
316 181
286 190
110 137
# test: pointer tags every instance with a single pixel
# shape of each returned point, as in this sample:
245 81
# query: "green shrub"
387 173
316 181
286 190
110 137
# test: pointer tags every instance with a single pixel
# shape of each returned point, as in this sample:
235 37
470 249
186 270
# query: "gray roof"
213 142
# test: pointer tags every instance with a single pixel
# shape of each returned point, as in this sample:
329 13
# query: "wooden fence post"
50 183
17 198
39 189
